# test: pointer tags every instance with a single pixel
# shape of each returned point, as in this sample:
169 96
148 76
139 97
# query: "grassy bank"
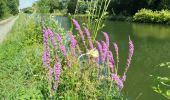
20 61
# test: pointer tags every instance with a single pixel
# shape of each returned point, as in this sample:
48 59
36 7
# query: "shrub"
149 16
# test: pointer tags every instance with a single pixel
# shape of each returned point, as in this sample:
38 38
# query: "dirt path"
6 26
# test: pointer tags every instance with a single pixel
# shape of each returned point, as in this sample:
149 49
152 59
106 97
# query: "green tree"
72 6
3 9
13 6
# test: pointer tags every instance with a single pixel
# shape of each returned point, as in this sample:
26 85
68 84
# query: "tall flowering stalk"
107 38
89 38
105 50
57 68
63 49
73 43
100 49
52 37
46 54
111 61
117 55
78 28
131 51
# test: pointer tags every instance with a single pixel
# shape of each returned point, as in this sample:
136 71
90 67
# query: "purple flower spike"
111 61
52 37
46 54
131 51
78 28
100 49
89 38
58 37
76 24
116 49
118 81
107 38
63 49
73 43
105 49
124 78
57 68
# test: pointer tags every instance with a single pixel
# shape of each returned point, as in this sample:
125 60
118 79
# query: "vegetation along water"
85 49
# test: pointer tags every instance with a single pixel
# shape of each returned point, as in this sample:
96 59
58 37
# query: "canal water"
152 47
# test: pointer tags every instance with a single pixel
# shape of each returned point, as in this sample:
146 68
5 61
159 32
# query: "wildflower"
131 51
105 49
100 49
118 81
52 37
46 54
78 28
111 61
57 68
124 78
76 24
73 43
117 52
107 38
58 38
63 49
89 38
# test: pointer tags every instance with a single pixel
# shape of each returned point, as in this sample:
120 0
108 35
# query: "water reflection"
153 31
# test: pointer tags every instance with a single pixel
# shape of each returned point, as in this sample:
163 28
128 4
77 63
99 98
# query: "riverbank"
20 61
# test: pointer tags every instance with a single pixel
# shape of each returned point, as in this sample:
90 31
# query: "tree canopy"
8 7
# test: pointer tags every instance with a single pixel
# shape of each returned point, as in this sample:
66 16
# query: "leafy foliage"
8 7
162 85
149 16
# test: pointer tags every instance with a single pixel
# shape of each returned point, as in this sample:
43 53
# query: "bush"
149 16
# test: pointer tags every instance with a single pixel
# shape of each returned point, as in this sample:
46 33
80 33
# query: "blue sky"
26 3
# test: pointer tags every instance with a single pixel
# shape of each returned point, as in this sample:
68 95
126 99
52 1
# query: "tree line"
8 7
118 7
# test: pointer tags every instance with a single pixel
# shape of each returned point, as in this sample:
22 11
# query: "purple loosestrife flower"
105 49
58 38
107 38
131 51
118 81
100 49
117 51
124 78
89 38
63 49
46 54
111 61
52 37
57 68
73 44
78 28
76 24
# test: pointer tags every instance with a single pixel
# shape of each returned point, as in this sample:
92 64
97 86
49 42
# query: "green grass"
21 70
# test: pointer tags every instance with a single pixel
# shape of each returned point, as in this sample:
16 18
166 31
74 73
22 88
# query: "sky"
26 3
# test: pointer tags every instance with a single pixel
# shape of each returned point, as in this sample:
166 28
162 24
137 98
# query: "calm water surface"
152 47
